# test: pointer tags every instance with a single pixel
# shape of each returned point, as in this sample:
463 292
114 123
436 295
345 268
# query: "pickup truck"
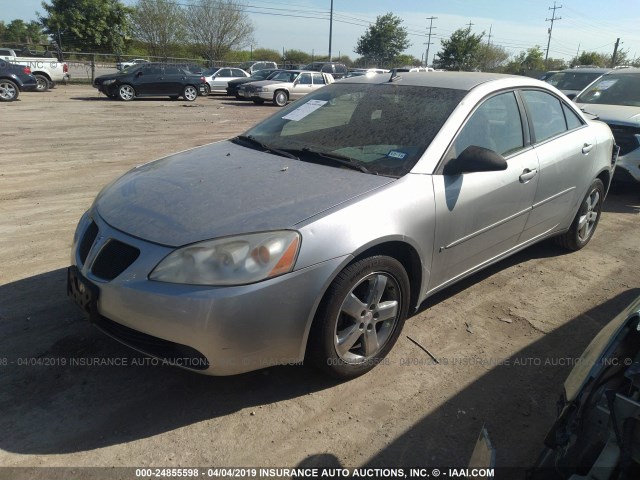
47 70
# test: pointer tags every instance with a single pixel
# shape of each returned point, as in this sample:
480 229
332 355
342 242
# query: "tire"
207 89
586 220
9 91
258 101
52 84
360 317
126 92
280 98
190 93
238 97
43 83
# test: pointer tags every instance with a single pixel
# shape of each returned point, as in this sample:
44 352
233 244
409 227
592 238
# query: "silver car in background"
284 86
317 232
615 100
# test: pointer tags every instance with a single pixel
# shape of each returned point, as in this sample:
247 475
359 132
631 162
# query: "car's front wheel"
280 98
360 317
126 92
586 220
258 101
190 93
8 91
207 88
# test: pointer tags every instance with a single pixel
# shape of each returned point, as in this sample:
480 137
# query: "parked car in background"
572 80
546 75
284 86
217 78
234 85
151 79
615 100
253 66
15 79
314 234
595 434
47 70
336 69
130 63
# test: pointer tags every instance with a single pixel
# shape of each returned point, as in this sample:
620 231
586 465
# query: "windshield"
614 89
572 80
383 127
133 68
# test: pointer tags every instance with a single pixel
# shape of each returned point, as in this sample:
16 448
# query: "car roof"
454 80
624 71
585 70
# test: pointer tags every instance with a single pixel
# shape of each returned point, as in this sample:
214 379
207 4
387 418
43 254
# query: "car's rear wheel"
280 98
586 220
126 92
190 93
360 317
258 101
8 91
42 83
207 88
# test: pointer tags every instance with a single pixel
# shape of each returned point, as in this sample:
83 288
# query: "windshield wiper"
596 117
339 159
266 148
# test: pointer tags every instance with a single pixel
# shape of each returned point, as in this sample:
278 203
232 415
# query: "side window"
171 70
236 73
546 114
318 79
151 70
573 121
496 124
225 72
305 79
5 52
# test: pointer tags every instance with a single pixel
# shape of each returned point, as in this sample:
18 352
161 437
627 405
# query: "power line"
552 19
426 58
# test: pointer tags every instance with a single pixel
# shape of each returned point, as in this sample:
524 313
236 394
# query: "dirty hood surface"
224 189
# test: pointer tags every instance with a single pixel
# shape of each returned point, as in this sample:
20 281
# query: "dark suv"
338 70
15 79
152 80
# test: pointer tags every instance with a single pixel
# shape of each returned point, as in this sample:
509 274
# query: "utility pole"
330 29
489 37
426 58
552 19
470 25
615 52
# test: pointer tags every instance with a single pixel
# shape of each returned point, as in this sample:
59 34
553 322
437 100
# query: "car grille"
86 243
114 258
626 137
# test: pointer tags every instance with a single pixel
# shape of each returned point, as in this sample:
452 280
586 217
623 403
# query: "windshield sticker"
396 154
304 110
603 85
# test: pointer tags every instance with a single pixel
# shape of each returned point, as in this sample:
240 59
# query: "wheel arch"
400 250
44 74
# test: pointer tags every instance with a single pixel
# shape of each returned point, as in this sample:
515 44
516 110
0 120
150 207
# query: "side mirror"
139 74
475 159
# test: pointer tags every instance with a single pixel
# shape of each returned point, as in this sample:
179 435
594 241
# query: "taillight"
202 80
65 68
27 70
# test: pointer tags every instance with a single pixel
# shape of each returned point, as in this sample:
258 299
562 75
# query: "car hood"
224 189
618 114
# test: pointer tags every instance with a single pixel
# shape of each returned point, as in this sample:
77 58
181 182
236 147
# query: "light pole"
330 28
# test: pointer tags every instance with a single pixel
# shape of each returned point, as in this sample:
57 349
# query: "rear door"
481 215
173 80
564 146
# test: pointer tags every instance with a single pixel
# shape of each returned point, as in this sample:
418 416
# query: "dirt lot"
532 313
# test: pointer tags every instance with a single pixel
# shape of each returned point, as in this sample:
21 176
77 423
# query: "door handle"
527 175
586 148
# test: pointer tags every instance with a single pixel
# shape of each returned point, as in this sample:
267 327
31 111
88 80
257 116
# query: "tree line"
220 30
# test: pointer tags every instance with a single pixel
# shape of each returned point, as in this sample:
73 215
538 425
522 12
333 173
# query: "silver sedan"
313 236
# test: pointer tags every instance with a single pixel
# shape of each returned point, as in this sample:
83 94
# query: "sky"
583 25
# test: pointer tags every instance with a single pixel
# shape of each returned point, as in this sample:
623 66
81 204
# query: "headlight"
108 82
231 260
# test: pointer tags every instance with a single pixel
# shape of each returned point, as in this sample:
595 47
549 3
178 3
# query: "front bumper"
628 167
234 329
